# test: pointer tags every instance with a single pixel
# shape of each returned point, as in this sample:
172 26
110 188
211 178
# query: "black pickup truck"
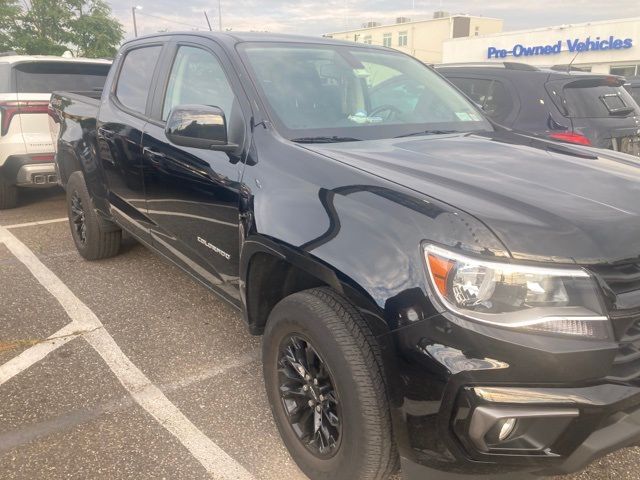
434 291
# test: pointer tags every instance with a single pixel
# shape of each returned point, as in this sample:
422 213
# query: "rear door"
193 194
123 115
601 109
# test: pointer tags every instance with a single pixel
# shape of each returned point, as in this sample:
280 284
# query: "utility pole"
219 16
133 14
208 22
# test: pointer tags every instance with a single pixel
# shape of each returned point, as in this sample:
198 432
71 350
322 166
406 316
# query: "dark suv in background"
570 106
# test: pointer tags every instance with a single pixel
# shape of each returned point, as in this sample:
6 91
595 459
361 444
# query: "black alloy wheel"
95 237
78 218
309 396
324 381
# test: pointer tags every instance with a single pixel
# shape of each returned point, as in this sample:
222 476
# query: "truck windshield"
342 93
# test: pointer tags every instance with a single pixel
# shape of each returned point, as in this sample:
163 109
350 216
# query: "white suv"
26 83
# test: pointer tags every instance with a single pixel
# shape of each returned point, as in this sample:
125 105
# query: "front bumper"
568 413
30 170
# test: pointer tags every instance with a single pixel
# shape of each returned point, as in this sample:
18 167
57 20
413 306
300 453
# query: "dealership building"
423 39
611 46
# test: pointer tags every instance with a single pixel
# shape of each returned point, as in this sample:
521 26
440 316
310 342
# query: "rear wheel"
95 237
326 390
8 194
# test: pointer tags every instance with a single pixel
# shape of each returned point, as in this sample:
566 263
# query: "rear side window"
585 100
491 95
635 93
46 77
135 77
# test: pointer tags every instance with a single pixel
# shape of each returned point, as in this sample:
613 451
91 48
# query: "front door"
193 194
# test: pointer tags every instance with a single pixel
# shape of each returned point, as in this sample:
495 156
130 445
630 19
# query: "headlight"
551 300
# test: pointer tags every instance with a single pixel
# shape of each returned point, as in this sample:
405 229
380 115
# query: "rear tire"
95 237
328 335
8 195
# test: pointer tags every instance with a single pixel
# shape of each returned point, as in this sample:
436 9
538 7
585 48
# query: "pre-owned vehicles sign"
572 45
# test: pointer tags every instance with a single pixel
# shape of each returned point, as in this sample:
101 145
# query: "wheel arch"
67 162
270 271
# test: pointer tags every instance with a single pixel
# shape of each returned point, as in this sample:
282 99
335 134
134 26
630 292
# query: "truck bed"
72 125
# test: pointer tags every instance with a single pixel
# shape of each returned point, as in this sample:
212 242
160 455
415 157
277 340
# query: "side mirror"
198 126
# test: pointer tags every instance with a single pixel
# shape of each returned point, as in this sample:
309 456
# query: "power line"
169 20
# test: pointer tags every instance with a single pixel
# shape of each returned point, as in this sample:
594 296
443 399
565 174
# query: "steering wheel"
391 110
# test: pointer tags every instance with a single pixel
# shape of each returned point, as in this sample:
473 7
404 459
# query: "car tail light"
42 158
571 137
13 108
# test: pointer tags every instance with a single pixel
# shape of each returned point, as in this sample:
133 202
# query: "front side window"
402 39
491 95
386 40
197 78
135 77
364 93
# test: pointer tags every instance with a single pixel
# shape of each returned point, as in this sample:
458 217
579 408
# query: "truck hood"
545 201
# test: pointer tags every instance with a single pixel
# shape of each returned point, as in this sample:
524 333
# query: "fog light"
507 428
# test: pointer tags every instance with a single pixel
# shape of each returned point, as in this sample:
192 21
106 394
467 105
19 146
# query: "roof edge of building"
564 26
387 25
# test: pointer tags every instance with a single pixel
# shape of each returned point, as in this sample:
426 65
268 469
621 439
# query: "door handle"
150 152
106 133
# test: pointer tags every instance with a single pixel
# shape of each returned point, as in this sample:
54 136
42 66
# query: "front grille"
621 284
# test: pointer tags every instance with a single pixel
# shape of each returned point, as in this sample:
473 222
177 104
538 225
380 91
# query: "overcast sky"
314 17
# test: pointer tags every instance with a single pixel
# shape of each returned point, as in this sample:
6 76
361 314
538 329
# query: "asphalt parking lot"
127 368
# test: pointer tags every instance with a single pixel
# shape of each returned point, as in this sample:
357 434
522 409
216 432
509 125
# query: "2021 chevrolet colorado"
431 288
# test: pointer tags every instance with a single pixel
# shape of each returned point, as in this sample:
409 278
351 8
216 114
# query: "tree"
52 27
9 11
43 29
95 32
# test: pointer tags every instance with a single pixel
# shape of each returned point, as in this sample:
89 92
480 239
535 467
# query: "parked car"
431 287
570 106
633 87
26 83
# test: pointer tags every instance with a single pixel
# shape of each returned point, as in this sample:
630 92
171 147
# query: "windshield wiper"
427 132
334 139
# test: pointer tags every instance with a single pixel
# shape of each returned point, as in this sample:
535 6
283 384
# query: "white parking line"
37 352
216 461
40 222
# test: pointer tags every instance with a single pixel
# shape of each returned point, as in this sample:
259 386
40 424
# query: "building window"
477 31
386 39
625 70
402 39
367 39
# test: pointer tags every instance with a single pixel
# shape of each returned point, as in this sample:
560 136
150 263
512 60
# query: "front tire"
8 194
326 390
95 237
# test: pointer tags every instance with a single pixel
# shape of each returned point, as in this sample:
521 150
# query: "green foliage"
51 27
9 12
